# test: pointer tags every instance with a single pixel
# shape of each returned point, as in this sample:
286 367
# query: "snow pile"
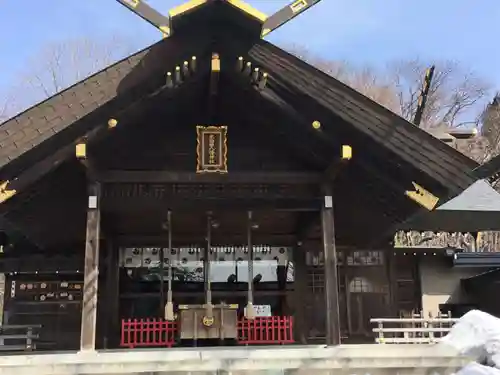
476 335
477 369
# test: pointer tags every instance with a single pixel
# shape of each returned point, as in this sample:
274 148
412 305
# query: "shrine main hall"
208 183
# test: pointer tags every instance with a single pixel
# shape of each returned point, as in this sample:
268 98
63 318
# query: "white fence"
414 330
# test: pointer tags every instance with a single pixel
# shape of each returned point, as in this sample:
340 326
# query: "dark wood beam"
84 159
170 177
51 162
214 74
181 239
41 263
215 293
91 272
336 166
305 222
191 204
213 89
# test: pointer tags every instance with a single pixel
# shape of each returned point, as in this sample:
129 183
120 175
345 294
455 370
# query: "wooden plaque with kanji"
211 149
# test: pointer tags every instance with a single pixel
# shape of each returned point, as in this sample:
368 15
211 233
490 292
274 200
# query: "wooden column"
391 279
113 295
331 281
281 273
90 283
301 326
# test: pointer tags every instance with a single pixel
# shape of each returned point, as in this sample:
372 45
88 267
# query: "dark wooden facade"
138 121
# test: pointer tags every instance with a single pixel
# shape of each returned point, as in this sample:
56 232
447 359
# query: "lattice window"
365 258
316 279
360 285
318 259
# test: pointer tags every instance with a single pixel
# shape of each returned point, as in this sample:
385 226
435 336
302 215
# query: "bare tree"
59 65
366 80
490 129
4 110
455 97
7 105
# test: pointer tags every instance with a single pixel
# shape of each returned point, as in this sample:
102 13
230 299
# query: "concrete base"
367 359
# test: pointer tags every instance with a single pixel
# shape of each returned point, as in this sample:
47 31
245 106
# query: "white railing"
412 330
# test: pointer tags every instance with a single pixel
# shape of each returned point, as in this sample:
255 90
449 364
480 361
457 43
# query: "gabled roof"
294 87
42 137
308 89
480 196
41 122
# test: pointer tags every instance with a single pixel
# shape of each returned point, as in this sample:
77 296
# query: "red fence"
266 330
154 332
147 333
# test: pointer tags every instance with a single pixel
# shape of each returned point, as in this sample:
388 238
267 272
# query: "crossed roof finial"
269 24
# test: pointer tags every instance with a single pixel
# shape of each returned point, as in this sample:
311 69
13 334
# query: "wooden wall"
372 284
52 301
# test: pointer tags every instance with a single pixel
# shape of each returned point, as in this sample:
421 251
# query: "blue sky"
359 31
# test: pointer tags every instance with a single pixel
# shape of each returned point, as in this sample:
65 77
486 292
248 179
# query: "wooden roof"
306 89
390 153
489 170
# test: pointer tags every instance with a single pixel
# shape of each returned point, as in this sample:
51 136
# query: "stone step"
366 359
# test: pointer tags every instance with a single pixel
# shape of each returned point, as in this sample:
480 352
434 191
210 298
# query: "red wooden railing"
155 332
147 333
266 330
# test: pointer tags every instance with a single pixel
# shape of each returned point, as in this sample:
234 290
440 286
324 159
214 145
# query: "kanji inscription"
211 149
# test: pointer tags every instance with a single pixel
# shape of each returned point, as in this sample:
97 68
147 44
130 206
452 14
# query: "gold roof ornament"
6 193
423 197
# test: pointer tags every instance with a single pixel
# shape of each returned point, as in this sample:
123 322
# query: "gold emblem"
208 321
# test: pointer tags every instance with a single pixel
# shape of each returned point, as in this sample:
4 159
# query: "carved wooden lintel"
131 197
204 190
484 242
174 177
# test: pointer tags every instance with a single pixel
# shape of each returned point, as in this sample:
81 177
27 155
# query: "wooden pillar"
281 275
347 279
331 281
391 280
90 283
112 295
301 326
